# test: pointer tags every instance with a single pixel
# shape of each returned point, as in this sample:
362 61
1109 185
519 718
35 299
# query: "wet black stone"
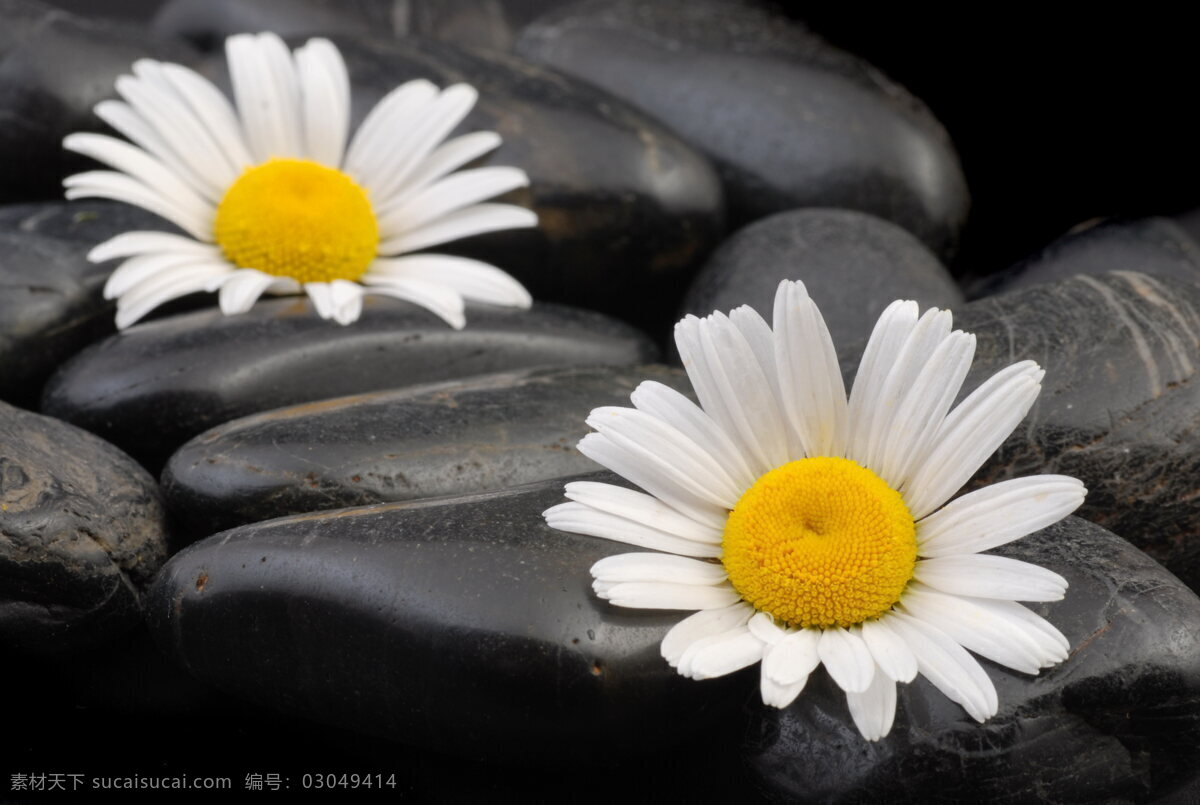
158 384
462 624
853 264
790 120
51 302
1120 403
1119 721
626 209
474 435
1156 246
82 532
54 67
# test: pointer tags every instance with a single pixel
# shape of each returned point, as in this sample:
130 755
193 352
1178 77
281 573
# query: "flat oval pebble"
853 264
156 385
790 120
473 435
462 624
54 67
1119 407
1117 722
82 533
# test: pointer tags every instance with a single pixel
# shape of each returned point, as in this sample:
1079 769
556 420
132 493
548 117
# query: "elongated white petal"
987 576
810 380
653 441
663 595
166 286
580 519
452 193
761 338
891 653
763 627
701 625
721 655
449 156
948 666
974 629
969 435
472 279
119 187
242 289
130 244
652 478
122 117
641 508
138 270
475 220
325 100
874 709
385 126
847 659
793 658
660 567
441 300
267 93
213 109
670 406
998 514
1049 639
887 339
347 298
775 694
322 298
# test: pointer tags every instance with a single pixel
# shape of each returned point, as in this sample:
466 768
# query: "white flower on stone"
274 199
811 530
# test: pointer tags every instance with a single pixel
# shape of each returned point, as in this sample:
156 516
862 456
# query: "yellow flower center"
296 218
820 542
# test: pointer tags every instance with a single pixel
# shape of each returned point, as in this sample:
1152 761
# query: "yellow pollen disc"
296 218
820 542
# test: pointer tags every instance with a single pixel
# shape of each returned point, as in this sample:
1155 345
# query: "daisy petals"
721 655
472 279
703 624
660 567
891 653
242 289
793 658
642 508
474 220
666 595
948 666
846 658
580 519
988 576
874 709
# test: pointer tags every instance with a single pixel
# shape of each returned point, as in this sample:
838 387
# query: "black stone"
474 435
54 67
158 384
1156 246
82 532
1120 404
51 303
853 264
790 120
463 624
1119 721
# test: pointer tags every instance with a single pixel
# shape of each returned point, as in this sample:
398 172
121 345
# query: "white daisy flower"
274 199
811 530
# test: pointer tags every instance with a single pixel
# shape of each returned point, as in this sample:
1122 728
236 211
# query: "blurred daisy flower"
273 199
808 529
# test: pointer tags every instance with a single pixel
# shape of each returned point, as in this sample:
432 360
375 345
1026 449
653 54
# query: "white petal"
948 666
998 514
440 300
810 380
733 389
346 297
674 455
469 221
847 659
119 187
242 289
970 434
447 157
891 654
988 576
759 336
267 92
764 628
130 244
325 100
472 279
660 567
122 117
651 477
213 109
703 624
580 519
775 694
456 191
1049 639
641 508
322 298
974 629
385 126
887 339
166 286
874 710
670 406
662 595
721 655
140 269
793 658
